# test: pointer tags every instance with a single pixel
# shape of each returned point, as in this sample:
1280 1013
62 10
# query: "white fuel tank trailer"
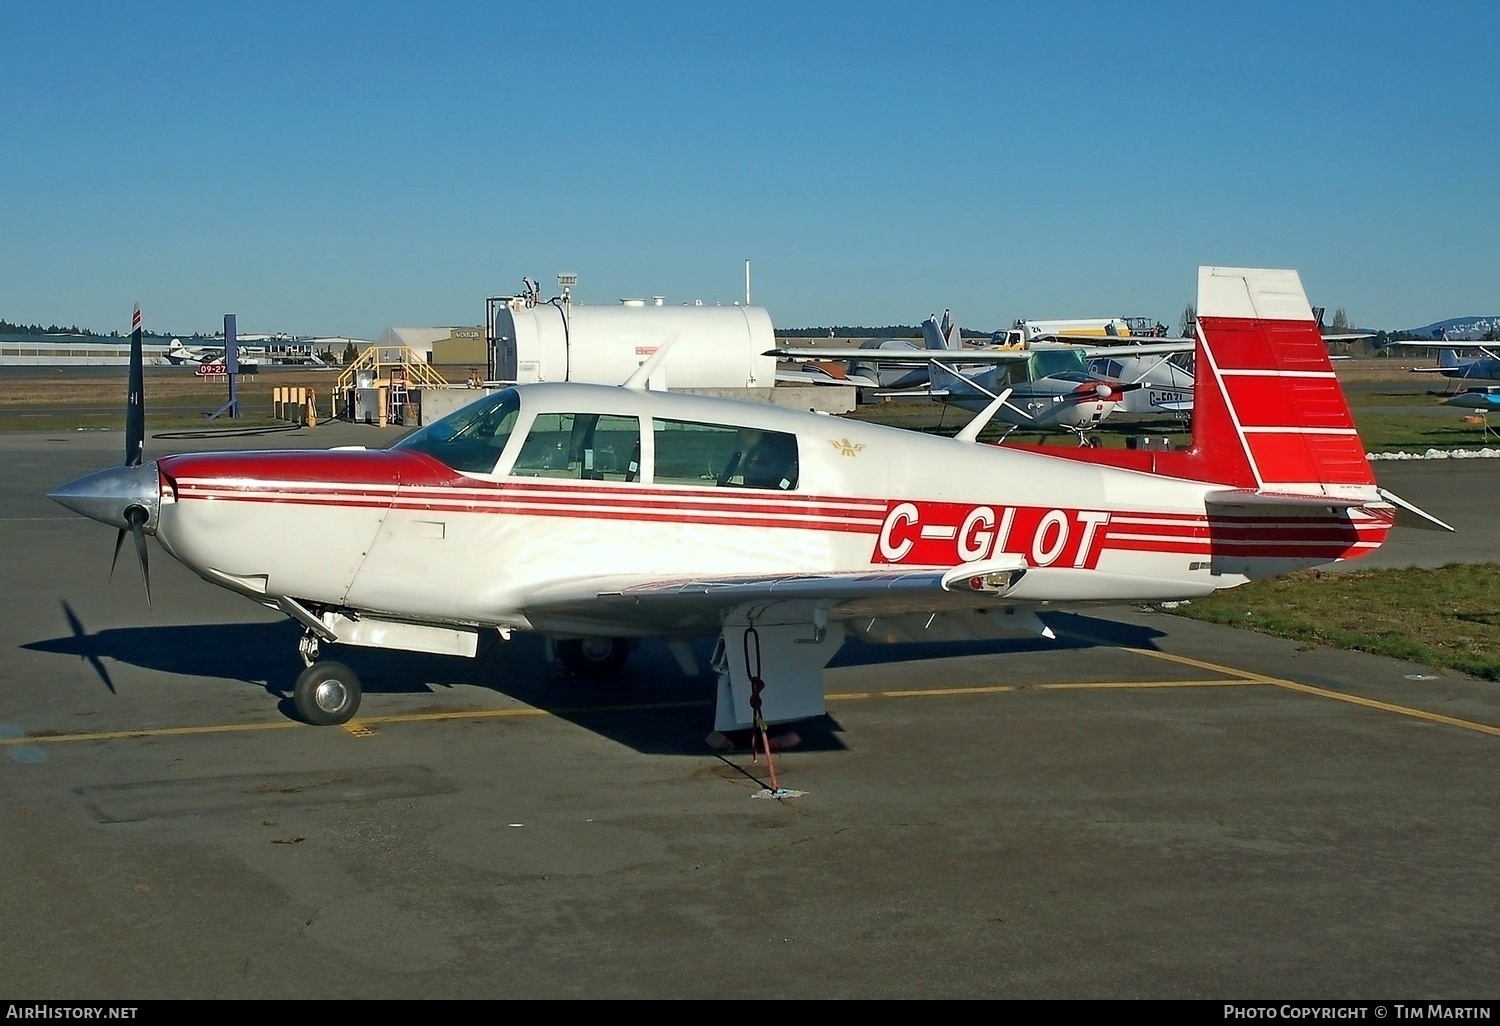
560 340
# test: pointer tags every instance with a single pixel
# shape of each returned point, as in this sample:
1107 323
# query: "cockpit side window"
470 439
581 446
724 455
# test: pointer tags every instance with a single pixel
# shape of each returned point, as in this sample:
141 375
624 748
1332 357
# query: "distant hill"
1459 328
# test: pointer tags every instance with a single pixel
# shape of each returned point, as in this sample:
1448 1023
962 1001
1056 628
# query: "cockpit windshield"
1054 362
469 439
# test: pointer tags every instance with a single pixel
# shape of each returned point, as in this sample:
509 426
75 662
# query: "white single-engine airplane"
1040 384
602 514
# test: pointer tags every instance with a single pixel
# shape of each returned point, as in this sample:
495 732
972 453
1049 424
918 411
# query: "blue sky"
340 168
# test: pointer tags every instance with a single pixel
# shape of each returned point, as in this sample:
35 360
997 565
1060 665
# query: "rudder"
1268 410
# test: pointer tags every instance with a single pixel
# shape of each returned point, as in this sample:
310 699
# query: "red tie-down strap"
752 672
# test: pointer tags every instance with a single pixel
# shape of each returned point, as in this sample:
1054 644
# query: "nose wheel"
327 693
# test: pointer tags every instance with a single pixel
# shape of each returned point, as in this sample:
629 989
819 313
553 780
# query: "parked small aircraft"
862 367
1165 381
1485 399
1450 365
1045 384
600 514
180 354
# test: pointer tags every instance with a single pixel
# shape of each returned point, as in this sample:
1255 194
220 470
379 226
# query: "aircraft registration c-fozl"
601 515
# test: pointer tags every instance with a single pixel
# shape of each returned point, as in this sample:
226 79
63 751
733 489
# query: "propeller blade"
135 398
137 528
119 540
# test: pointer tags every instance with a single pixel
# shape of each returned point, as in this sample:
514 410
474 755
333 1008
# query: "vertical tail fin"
1268 411
944 335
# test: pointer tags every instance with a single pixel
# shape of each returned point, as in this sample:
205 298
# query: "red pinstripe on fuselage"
401 480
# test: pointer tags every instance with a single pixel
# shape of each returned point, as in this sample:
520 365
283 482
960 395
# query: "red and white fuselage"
867 527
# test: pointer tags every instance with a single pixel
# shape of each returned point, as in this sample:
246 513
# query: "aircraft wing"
814 375
914 357
1157 348
826 353
697 605
1147 343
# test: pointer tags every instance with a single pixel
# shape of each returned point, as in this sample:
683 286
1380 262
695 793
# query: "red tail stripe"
1288 402
1298 458
1244 343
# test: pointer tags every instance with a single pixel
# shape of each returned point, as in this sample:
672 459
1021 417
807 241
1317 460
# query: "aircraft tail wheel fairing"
593 657
326 694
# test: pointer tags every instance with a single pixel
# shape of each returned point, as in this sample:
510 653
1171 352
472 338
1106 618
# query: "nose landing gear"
326 693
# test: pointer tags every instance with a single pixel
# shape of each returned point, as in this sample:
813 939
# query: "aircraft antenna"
640 381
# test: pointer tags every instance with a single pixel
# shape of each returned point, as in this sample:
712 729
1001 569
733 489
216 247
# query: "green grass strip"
1448 617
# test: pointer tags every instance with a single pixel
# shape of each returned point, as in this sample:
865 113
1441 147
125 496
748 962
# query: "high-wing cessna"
1161 383
1045 384
604 514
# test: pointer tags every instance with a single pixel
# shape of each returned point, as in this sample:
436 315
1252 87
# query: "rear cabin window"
581 446
718 455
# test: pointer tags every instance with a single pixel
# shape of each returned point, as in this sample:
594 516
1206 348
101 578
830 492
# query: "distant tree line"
36 329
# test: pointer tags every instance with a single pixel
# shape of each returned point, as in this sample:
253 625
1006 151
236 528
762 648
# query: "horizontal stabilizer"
1254 497
1408 515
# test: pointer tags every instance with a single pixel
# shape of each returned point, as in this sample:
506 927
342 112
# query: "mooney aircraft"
601 514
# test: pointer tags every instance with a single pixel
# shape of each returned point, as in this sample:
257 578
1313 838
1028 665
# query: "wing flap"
668 606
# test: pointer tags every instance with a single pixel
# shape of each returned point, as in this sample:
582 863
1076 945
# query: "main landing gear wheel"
326 694
593 657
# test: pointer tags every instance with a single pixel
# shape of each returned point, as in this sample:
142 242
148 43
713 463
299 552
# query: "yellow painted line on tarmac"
976 689
995 689
118 735
360 727
1309 689
495 714
1140 684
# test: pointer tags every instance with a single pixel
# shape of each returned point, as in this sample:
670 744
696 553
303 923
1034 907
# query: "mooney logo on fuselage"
947 533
